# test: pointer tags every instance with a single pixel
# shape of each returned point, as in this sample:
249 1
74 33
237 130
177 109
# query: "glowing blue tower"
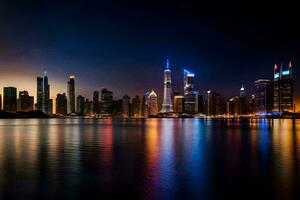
167 106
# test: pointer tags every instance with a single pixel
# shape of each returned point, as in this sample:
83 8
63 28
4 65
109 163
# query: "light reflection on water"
149 159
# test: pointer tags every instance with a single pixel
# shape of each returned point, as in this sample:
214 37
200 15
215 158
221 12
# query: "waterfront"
149 159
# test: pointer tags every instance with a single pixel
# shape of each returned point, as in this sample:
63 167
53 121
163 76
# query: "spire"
167 63
290 64
275 67
45 73
242 88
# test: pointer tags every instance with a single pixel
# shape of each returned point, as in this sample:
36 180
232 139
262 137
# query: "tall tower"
167 106
283 88
71 94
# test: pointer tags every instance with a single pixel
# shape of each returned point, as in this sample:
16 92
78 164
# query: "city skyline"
89 93
104 45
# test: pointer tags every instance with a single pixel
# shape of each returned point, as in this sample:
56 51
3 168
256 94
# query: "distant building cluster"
270 96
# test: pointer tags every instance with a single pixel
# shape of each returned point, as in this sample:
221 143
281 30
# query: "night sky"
122 46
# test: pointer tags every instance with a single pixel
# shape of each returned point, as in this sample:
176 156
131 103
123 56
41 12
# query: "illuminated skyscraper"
283 94
71 94
243 105
96 103
167 101
106 102
10 99
263 96
144 106
178 103
152 101
25 102
44 103
47 102
188 82
61 104
190 96
136 106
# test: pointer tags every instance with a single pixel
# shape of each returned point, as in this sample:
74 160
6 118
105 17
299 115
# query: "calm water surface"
149 159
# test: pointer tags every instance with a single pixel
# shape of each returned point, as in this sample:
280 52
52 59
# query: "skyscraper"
167 106
283 88
106 102
178 103
80 105
263 96
10 99
153 106
188 81
126 106
47 102
40 94
71 94
96 103
44 103
136 106
144 106
190 96
61 104
243 105
25 102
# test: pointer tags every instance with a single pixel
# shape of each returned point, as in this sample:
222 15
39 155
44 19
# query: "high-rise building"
88 107
233 106
117 107
71 94
243 105
10 99
40 94
214 103
167 106
136 106
44 103
25 102
152 102
96 103
178 103
144 106
188 82
80 105
283 88
126 106
190 96
201 104
61 104
47 102
106 102
264 96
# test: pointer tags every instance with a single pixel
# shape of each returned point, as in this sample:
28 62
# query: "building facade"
153 105
10 99
283 88
126 106
263 96
106 102
96 102
61 104
71 94
25 102
80 104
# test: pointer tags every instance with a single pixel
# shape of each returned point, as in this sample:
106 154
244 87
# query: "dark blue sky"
122 46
